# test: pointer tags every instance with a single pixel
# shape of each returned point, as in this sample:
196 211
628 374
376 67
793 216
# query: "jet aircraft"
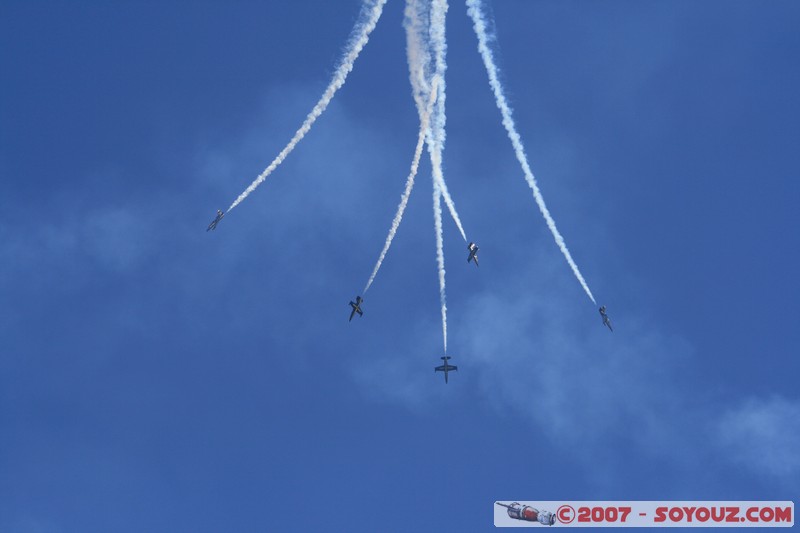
473 253
446 367
214 222
606 320
356 307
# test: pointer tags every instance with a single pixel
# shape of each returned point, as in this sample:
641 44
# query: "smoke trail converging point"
368 19
427 47
479 24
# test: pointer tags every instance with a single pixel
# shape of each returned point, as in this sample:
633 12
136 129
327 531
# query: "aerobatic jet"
606 320
356 307
214 222
473 253
446 367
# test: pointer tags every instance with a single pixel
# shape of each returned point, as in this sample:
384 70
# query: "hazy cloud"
763 434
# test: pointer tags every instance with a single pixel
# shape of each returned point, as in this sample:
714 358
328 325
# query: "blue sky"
155 377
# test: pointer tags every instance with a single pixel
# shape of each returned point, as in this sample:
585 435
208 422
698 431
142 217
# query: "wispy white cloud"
533 354
116 239
544 358
529 351
763 434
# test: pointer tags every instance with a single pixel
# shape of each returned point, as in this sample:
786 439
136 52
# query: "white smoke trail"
479 24
426 58
370 13
419 56
423 128
437 219
435 152
438 43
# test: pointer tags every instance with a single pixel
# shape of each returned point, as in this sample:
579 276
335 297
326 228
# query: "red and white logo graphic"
644 514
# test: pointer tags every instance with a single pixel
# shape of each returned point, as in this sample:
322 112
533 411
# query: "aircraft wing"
439 369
